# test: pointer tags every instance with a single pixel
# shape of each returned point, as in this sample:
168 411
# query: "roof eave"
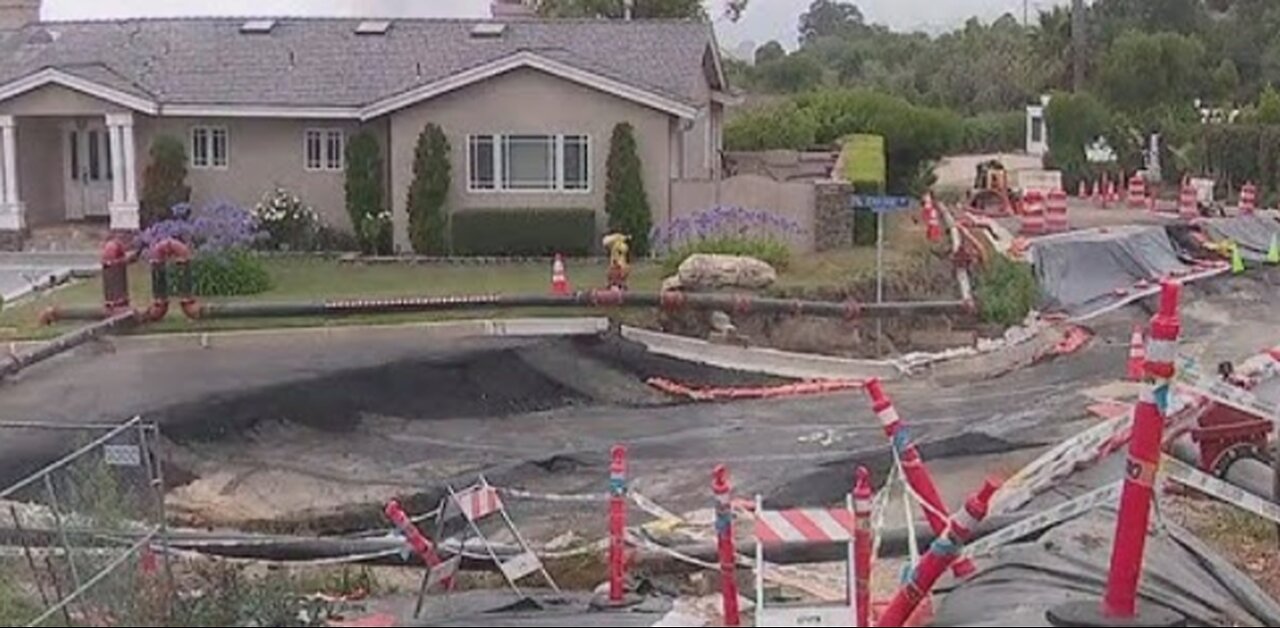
55 76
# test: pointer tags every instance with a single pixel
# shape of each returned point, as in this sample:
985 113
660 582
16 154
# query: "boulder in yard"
705 272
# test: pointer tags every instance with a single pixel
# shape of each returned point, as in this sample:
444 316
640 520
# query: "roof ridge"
358 18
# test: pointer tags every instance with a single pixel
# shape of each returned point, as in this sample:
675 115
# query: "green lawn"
315 279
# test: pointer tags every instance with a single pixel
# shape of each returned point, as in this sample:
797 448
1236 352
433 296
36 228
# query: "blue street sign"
881 204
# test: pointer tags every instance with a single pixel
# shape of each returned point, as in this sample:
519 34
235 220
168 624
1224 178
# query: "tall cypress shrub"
626 201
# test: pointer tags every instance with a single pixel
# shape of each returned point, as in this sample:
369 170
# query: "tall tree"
1079 44
830 18
771 51
625 199
1143 71
428 191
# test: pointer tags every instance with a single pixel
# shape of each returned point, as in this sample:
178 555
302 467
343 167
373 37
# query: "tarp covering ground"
1080 272
1252 233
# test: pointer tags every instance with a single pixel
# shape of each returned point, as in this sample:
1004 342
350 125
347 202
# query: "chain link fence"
83 538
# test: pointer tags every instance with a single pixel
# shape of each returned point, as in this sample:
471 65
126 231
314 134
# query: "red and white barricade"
463 516
1248 199
806 526
1137 192
1033 213
440 574
1056 212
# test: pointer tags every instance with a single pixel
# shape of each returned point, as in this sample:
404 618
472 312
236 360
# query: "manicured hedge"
524 232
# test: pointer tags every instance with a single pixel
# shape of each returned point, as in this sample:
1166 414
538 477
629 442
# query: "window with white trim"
324 149
529 163
209 147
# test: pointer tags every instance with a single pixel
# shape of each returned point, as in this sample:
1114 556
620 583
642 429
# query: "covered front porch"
68 168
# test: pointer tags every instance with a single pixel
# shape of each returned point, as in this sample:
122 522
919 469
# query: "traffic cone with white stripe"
559 280
1137 354
933 228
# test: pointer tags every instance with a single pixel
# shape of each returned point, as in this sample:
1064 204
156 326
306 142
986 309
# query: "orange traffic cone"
559 281
1137 354
1084 190
933 228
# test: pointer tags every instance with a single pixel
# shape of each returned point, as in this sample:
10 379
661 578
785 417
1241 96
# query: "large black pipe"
669 301
70 340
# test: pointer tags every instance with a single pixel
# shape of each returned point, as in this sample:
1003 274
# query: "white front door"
87 169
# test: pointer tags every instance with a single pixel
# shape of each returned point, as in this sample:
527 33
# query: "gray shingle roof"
323 62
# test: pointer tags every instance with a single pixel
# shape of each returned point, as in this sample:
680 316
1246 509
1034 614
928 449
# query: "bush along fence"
524 232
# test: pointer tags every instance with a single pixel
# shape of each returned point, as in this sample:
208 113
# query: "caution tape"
1061 461
1194 478
810 387
1047 519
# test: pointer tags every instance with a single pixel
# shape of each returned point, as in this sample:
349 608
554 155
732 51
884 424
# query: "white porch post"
12 212
124 186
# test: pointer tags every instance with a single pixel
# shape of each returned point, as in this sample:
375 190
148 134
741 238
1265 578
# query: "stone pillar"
12 212
832 220
124 187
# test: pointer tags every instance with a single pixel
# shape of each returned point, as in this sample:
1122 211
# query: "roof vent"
488 30
258 26
373 27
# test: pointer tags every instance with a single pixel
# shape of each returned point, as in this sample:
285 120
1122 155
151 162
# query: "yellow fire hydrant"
619 265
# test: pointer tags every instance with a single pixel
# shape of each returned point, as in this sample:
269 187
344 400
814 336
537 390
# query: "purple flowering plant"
727 230
210 229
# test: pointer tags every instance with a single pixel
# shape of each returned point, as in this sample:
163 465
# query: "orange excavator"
991 194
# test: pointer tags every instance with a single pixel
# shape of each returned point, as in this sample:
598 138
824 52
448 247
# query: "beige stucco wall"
792 200
41 173
529 101
56 100
263 153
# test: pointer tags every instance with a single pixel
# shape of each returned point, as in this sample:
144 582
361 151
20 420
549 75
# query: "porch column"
12 211
124 184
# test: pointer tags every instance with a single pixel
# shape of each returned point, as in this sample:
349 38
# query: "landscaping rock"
715 272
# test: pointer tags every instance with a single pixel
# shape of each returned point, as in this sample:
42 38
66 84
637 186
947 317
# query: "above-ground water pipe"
667 301
168 257
16 362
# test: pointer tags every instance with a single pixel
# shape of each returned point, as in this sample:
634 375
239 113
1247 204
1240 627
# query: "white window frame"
324 136
206 160
499 142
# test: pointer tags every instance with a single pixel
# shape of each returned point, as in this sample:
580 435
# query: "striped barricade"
805 526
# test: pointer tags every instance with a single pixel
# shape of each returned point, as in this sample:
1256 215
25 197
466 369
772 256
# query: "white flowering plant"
375 232
290 223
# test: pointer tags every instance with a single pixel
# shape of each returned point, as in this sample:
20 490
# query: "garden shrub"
1074 121
625 199
428 191
221 235
289 223
365 196
164 182
727 231
1006 291
524 232
993 133
780 126
1241 153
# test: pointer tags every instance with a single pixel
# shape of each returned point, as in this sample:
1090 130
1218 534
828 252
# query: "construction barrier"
1033 219
1137 192
617 525
913 467
724 541
1188 202
798 527
440 574
1056 212
1248 199
943 553
863 500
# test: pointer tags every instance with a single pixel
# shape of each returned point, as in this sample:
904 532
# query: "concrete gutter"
758 360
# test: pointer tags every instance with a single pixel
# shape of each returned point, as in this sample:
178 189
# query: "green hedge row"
524 232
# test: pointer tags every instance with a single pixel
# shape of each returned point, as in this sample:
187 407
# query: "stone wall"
833 222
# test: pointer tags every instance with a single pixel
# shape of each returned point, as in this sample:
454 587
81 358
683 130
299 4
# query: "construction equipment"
991 193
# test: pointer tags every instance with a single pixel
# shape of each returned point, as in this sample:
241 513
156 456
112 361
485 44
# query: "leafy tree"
778 126
1142 71
794 73
1074 122
428 191
830 18
366 204
1226 81
770 52
625 200
1269 106
164 182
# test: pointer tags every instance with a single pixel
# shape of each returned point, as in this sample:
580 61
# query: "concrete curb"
480 328
758 360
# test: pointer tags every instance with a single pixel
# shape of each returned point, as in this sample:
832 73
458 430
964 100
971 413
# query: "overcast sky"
765 20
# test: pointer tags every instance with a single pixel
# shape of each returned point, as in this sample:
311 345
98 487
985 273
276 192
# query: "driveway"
24 273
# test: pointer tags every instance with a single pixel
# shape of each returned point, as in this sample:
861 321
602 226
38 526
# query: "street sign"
881 204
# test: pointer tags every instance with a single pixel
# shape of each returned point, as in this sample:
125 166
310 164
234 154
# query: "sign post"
881 205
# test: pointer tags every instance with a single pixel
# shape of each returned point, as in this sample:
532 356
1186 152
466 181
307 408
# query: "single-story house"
528 106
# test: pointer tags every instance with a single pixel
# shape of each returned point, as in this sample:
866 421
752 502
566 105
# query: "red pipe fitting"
942 554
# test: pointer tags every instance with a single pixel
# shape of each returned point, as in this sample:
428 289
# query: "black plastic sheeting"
1079 272
1018 584
1252 233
